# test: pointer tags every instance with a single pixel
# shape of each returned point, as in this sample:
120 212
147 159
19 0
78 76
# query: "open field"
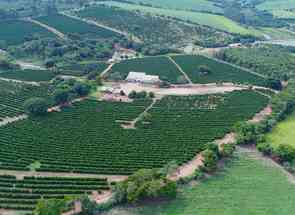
28 75
68 26
219 72
13 95
277 5
212 20
17 32
88 138
199 5
246 186
24 194
160 66
283 133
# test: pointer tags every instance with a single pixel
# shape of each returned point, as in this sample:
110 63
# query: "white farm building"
141 77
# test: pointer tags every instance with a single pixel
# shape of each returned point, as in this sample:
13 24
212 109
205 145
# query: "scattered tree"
36 106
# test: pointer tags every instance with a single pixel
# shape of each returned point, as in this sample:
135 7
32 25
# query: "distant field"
196 5
283 133
68 25
277 5
278 33
88 138
219 72
17 32
284 14
245 187
79 69
215 21
161 66
28 75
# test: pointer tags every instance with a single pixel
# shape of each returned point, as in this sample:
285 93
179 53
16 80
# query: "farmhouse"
141 77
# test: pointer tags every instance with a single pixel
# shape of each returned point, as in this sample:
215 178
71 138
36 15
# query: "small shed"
141 77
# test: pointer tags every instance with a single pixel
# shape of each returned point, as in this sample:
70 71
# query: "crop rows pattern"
88 138
24 194
28 75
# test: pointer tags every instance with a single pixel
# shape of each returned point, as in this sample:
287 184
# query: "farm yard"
71 26
18 31
88 137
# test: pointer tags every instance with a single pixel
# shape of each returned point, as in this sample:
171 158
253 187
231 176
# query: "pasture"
17 32
69 25
160 66
28 75
246 186
207 19
199 5
218 72
283 133
88 137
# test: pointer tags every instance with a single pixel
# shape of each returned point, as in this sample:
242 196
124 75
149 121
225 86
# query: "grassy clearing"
17 31
277 5
283 133
215 21
196 5
246 186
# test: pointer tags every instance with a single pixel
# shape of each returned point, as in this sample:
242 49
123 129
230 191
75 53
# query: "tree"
204 70
81 89
210 160
36 106
50 207
61 96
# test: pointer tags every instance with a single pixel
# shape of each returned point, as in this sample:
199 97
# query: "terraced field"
24 194
219 72
28 75
68 26
161 66
13 96
88 138
17 32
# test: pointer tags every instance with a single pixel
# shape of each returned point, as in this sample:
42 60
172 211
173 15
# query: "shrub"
61 96
227 150
210 159
264 148
204 70
285 153
81 89
36 106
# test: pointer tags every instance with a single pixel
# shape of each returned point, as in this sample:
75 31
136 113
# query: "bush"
81 89
36 106
61 96
264 148
227 150
210 159
204 70
285 153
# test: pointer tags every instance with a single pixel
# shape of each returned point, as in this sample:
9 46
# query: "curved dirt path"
7 120
105 72
181 70
49 28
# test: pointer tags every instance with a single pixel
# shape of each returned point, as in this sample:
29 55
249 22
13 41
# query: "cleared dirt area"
180 90
28 65
8 120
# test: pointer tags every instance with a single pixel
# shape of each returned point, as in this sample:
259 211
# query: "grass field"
196 5
219 72
28 75
68 25
283 133
246 187
215 21
88 138
17 32
161 66
277 5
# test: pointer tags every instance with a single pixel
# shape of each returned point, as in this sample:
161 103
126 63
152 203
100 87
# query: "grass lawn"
283 133
246 187
212 20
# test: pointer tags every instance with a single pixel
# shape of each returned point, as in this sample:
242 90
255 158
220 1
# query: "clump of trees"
204 70
145 184
140 95
36 106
